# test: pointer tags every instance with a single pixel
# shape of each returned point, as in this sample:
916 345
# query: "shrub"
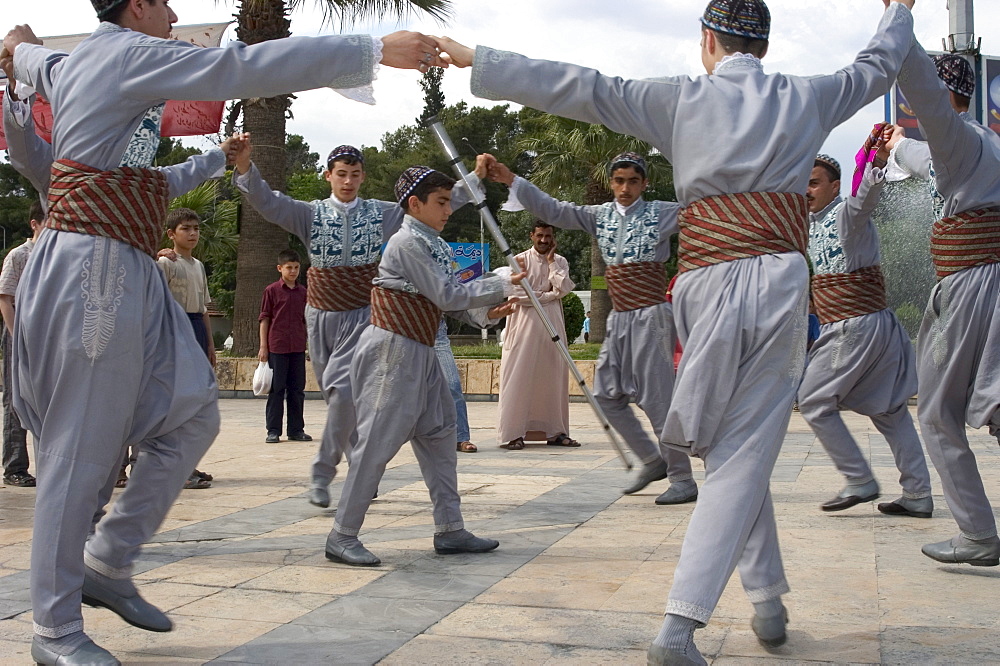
573 313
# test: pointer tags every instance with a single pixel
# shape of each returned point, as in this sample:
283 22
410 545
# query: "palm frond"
218 222
565 150
349 12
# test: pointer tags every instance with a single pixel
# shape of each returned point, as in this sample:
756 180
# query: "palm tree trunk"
260 241
600 302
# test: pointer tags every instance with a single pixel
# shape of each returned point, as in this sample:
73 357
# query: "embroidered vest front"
360 230
631 238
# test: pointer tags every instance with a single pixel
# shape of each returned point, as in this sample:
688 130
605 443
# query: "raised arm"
277 208
524 195
33 64
627 106
154 70
857 212
948 135
193 171
29 154
842 94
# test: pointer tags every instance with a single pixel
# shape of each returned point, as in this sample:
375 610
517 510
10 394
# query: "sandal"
562 439
467 447
195 482
514 444
203 475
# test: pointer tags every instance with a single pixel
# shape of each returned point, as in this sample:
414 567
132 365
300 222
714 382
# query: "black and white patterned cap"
957 74
828 161
409 180
344 151
633 158
744 18
102 7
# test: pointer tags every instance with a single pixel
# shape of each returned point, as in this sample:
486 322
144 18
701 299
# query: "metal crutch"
435 125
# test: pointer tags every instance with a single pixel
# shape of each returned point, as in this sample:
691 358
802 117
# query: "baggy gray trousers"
958 361
865 364
637 361
400 395
333 339
743 327
104 356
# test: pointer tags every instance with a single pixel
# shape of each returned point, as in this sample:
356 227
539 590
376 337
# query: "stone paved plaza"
581 575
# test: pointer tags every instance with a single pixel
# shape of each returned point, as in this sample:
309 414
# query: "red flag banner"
179 118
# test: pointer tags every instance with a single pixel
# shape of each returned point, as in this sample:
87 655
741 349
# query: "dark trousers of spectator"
15 438
287 385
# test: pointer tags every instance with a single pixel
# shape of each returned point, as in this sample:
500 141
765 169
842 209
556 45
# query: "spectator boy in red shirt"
283 347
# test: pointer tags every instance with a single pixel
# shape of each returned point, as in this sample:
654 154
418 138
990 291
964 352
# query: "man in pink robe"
534 382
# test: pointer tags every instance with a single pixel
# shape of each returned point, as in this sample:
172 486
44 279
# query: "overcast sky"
640 39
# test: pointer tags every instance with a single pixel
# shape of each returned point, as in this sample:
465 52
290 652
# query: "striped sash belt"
965 240
636 285
125 204
340 288
410 315
728 227
838 296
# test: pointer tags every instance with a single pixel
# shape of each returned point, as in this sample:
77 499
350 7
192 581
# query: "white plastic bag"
262 379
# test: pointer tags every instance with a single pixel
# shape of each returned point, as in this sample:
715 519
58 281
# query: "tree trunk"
600 302
260 241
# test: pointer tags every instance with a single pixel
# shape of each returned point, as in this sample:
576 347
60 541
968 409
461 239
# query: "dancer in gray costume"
742 322
103 353
958 347
637 357
341 231
863 359
400 392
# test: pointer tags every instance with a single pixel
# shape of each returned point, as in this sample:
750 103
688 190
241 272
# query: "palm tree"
567 153
218 241
260 21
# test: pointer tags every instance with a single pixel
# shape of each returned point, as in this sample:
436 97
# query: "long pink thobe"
534 382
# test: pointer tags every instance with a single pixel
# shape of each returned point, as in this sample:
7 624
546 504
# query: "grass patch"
491 350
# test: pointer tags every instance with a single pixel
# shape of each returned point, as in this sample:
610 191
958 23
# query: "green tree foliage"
172 151
476 129
298 156
430 82
16 195
573 315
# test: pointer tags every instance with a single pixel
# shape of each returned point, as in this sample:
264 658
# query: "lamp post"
961 26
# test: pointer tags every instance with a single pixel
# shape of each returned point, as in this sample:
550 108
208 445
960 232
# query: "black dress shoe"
300 437
916 508
852 496
841 503
272 438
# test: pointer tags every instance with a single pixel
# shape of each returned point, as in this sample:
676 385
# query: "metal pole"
961 28
480 203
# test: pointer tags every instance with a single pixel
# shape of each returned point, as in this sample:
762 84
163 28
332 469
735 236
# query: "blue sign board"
470 260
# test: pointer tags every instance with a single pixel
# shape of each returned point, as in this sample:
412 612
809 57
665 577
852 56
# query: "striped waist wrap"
126 204
340 288
838 296
728 227
635 285
411 315
965 240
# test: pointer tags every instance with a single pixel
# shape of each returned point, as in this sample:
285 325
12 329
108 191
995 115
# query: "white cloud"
637 39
